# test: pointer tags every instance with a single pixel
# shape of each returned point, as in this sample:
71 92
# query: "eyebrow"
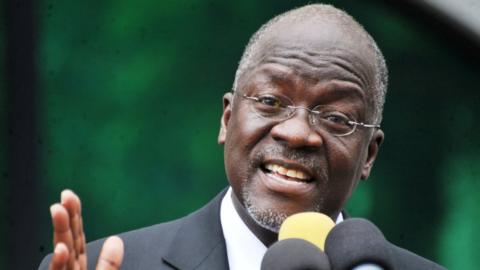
334 89
277 76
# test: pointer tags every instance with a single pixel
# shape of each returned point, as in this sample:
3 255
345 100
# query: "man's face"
278 168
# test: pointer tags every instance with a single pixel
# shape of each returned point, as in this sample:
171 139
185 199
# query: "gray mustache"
305 157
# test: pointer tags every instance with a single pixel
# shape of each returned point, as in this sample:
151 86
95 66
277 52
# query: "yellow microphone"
310 226
301 242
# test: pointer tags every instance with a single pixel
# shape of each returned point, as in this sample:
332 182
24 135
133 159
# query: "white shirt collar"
244 249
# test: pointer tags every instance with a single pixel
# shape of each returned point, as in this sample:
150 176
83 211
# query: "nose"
297 131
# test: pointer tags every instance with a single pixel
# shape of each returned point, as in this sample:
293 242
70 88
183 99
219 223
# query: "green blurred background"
130 101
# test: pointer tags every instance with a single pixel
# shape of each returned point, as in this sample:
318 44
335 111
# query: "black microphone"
358 244
294 254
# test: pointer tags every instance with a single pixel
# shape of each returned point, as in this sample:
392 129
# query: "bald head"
317 29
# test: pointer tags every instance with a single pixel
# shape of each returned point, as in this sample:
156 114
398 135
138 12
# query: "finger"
59 257
62 231
61 225
82 261
111 255
82 257
72 203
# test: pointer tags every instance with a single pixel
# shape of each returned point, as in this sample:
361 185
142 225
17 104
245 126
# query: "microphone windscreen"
310 226
356 242
294 254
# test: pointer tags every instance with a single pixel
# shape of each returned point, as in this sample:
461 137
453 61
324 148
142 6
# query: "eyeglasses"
322 117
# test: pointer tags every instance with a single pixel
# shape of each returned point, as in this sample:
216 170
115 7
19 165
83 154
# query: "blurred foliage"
131 104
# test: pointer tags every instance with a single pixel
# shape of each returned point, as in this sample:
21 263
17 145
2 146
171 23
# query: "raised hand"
69 238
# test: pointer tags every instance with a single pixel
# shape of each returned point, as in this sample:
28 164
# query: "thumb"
111 255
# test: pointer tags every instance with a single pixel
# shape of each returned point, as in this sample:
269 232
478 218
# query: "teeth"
301 175
287 172
291 173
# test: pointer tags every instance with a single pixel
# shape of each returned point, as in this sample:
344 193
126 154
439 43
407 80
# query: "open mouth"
286 173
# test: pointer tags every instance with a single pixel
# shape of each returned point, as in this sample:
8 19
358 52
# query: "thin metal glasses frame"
294 109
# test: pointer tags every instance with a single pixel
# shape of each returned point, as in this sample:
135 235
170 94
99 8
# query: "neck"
267 237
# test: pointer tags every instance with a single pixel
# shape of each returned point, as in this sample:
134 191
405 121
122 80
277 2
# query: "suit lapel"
199 243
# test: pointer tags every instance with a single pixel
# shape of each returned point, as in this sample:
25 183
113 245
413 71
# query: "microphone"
294 254
354 244
357 244
301 244
310 226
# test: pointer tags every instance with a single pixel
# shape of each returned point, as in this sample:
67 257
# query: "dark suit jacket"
192 242
197 242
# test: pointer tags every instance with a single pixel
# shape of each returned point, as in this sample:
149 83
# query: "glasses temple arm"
364 125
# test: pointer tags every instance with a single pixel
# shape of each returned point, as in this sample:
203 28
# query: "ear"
227 112
373 147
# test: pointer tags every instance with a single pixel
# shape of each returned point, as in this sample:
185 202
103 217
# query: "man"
300 129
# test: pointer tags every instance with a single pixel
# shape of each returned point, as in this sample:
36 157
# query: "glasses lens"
276 107
272 107
333 121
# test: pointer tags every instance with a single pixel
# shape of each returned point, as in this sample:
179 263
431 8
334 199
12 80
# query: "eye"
336 118
333 121
268 105
270 101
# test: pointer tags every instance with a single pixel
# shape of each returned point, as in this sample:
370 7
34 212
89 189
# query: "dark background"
121 102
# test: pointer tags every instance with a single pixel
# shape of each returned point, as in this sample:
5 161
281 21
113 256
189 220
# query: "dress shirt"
244 249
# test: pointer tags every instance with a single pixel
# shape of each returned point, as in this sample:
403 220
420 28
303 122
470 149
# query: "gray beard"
267 218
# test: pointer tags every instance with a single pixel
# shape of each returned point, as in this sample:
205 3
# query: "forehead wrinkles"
334 63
